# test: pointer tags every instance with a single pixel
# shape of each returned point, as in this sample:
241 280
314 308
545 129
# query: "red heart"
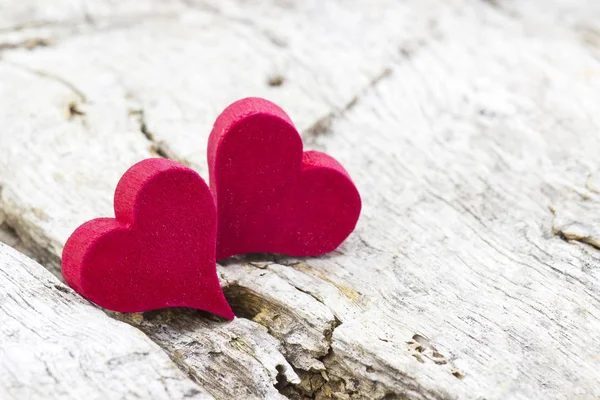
272 197
159 251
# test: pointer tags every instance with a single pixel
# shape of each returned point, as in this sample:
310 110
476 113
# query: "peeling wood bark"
292 315
56 345
238 359
453 285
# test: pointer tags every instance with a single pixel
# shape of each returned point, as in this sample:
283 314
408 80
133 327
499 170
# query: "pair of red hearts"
159 251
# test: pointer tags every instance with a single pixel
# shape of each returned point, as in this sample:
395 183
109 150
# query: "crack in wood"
322 126
27 44
52 77
157 147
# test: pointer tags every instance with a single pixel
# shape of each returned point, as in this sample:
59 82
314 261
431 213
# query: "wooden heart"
158 252
271 196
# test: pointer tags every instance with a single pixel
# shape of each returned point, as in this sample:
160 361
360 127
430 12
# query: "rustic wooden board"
470 128
56 345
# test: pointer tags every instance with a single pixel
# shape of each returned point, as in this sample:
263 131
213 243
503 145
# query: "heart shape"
272 197
158 252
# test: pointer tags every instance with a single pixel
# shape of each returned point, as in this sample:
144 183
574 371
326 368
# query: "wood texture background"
471 128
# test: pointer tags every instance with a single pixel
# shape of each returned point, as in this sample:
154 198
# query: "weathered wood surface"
54 344
470 127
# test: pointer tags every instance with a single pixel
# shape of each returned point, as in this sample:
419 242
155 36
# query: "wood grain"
55 344
470 128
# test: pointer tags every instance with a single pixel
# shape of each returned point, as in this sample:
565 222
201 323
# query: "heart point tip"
228 315
224 311
221 309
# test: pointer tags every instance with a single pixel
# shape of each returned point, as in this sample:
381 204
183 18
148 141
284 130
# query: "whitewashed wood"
30 24
56 345
454 284
322 70
577 212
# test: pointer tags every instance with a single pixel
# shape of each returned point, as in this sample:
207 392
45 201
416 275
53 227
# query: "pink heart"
158 252
272 197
